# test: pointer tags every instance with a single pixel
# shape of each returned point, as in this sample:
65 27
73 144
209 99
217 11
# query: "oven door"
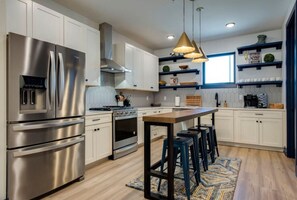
125 131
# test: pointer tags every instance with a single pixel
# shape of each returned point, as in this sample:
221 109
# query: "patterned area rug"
218 182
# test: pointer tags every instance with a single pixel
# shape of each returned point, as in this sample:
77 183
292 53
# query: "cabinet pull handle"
135 85
152 87
95 120
259 114
257 121
260 121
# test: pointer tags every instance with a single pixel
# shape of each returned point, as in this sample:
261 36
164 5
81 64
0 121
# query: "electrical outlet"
241 97
165 98
147 98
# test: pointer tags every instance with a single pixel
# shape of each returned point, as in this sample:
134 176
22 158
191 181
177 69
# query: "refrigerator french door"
46 92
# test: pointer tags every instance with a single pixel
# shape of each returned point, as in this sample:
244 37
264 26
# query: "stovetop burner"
110 108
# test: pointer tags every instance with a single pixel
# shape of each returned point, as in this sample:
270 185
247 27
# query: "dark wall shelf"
171 58
183 71
259 84
259 47
278 64
174 87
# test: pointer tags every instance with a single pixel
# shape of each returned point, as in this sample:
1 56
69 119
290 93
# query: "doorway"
291 87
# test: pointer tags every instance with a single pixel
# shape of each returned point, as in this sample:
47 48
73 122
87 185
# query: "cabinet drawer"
97 119
260 114
144 113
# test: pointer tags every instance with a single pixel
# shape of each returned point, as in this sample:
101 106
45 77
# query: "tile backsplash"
105 94
230 95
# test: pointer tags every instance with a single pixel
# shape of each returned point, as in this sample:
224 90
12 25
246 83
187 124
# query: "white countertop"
88 113
220 108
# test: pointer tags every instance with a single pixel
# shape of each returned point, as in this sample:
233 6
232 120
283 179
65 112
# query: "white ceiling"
149 21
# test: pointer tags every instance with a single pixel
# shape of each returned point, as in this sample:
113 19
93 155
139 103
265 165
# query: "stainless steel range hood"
107 63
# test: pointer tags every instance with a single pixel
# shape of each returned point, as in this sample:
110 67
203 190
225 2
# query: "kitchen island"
168 120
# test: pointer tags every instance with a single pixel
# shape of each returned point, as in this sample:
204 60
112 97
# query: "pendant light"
184 45
203 58
196 53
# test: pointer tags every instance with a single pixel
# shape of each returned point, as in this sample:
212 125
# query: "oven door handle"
48 148
126 117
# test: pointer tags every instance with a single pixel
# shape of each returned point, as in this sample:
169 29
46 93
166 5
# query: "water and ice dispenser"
32 94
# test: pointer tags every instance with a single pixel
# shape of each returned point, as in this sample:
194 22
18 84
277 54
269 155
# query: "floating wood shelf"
183 71
171 58
258 66
259 84
174 87
259 47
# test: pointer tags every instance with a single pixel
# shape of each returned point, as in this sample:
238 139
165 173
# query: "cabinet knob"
135 85
257 121
87 80
152 87
260 121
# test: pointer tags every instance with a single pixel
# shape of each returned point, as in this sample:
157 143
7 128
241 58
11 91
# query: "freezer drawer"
36 170
32 133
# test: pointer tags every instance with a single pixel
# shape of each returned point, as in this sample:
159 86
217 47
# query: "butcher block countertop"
179 116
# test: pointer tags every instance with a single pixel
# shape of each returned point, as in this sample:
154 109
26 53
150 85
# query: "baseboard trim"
251 146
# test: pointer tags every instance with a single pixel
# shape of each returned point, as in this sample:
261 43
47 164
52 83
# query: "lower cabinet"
259 128
156 131
224 123
98 141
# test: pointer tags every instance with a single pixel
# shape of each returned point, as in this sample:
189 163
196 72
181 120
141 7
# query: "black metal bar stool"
182 146
212 130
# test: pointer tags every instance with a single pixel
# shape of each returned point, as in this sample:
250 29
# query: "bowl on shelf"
162 83
184 67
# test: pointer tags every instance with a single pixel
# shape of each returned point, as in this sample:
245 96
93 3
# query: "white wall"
231 95
2 100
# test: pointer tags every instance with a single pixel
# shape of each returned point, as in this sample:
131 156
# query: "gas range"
118 111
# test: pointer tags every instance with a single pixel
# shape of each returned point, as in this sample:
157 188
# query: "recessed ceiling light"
230 25
170 37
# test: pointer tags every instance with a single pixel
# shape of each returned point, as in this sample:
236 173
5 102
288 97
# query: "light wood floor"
263 175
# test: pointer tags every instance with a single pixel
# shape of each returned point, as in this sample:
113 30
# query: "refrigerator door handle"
45 125
51 73
47 148
61 80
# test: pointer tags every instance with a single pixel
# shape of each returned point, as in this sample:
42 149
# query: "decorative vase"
261 39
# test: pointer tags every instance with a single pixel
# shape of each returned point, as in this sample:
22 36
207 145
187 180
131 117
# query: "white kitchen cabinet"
92 72
248 130
224 124
98 138
19 17
47 24
259 128
156 131
74 34
271 132
150 72
144 66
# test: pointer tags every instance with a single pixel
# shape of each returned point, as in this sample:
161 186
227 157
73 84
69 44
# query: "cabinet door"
93 57
224 129
248 130
129 64
150 72
271 132
104 140
140 130
47 24
19 17
90 152
74 34
137 68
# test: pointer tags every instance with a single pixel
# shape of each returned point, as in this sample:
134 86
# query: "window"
219 71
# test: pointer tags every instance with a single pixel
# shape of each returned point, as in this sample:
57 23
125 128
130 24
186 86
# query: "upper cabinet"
92 57
144 66
19 17
74 34
47 24
28 18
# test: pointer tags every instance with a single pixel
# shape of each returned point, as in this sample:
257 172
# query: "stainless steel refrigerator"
45 116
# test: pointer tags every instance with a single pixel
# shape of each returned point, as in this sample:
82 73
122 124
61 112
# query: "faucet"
217 100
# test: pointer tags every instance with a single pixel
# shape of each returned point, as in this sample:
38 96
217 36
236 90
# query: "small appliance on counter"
250 101
262 100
